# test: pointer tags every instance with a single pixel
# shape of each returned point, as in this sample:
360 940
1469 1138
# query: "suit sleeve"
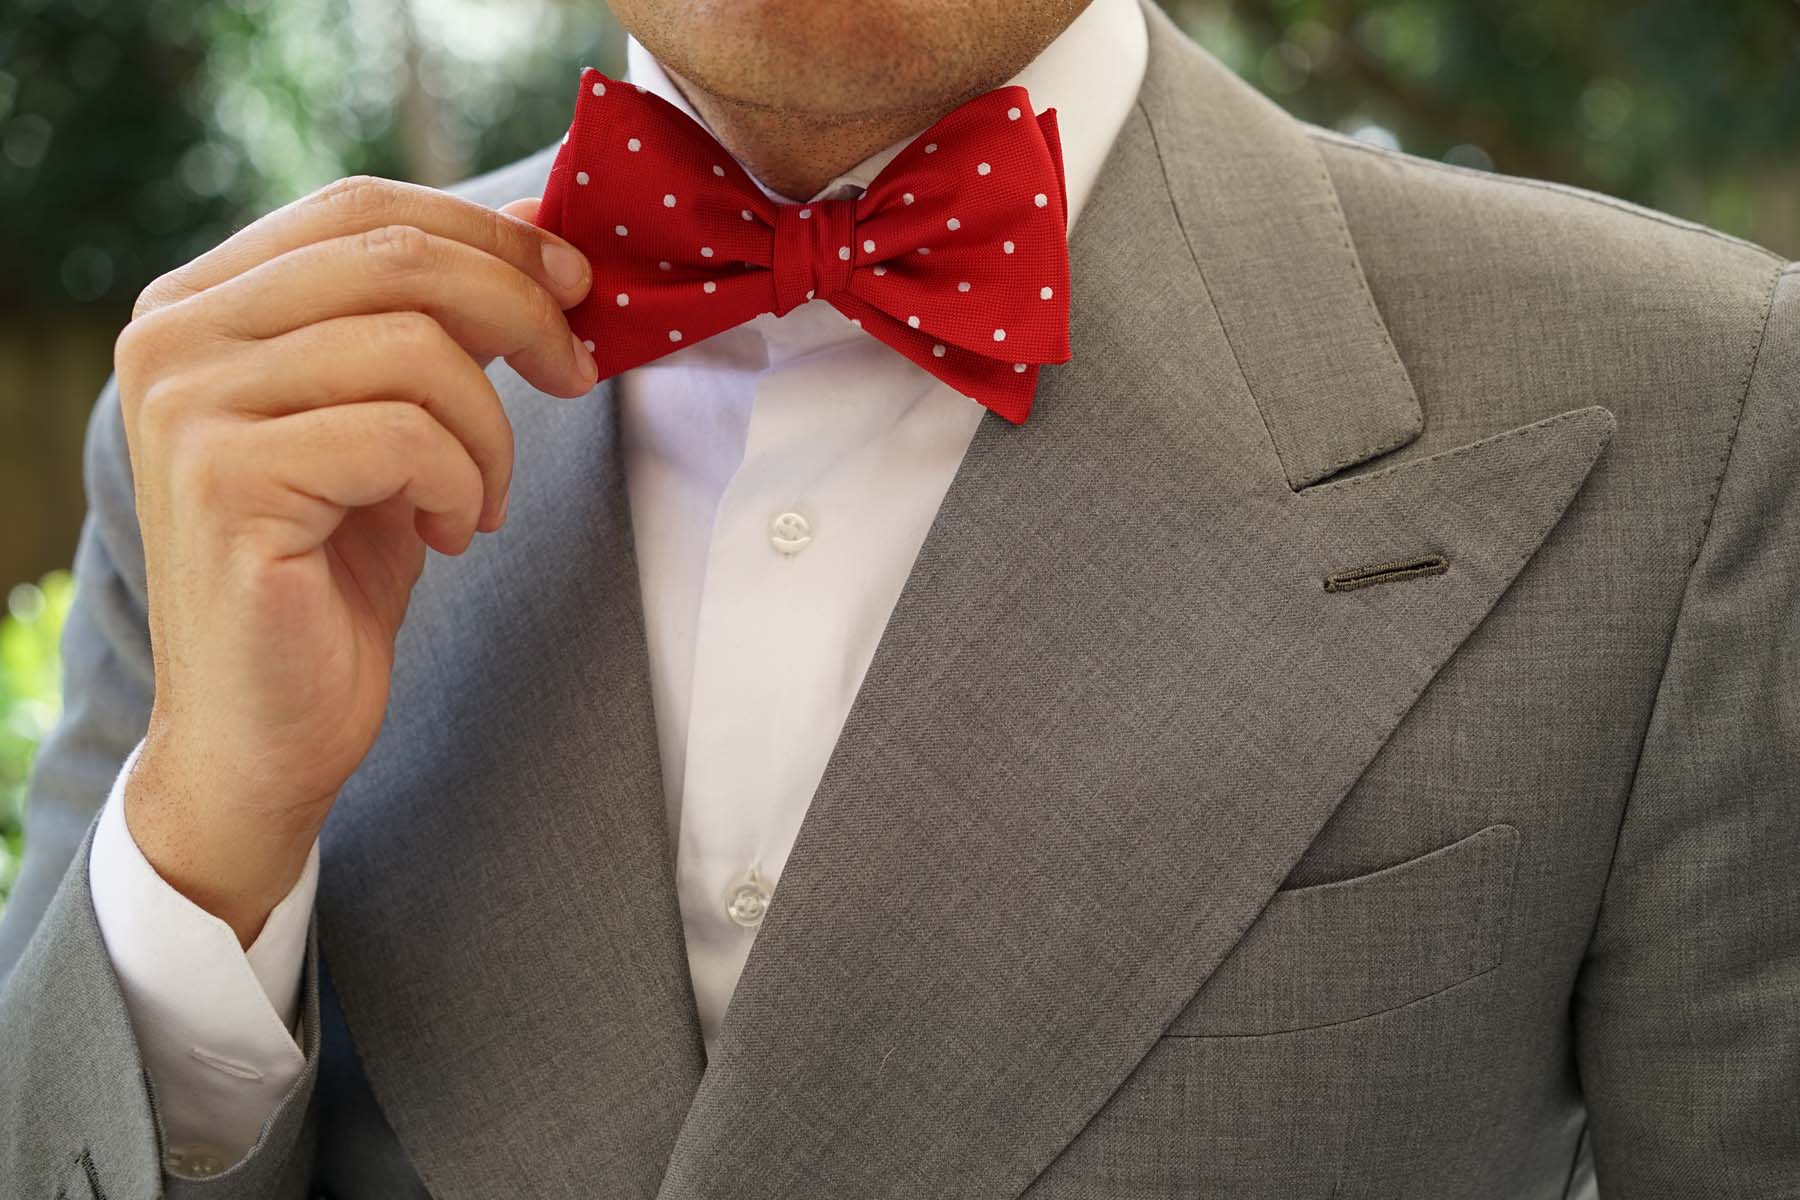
78 1111
1687 1010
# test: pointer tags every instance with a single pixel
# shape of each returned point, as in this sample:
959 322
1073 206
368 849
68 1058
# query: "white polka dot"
745 213
953 224
924 249
907 199
937 351
982 168
639 87
1012 114
809 293
706 251
931 148
843 254
805 213
565 140
719 171
623 298
1040 199
1045 293
674 335
662 266
581 177
856 321
587 344
709 287
1019 368
999 335
668 199
634 145
1007 246
599 89
963 286
913 321
881 270
620 230
868 246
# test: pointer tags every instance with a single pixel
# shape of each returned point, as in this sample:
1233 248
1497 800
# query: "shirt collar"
1090 74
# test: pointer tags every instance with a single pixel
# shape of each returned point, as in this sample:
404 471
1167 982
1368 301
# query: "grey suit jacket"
1179 843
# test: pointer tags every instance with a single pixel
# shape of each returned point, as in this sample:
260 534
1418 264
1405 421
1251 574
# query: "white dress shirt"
782 476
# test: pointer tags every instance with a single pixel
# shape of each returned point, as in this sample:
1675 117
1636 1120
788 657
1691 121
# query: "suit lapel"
1116 700
497 904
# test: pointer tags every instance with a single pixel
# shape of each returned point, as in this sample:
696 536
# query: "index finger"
362 203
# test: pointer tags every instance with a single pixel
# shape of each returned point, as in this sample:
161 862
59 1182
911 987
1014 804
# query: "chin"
870 58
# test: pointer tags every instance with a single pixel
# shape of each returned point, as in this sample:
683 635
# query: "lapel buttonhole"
1388 572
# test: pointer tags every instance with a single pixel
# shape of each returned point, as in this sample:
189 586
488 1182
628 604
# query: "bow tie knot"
954 257
815 251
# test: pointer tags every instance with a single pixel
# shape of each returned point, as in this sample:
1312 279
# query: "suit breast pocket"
1334 952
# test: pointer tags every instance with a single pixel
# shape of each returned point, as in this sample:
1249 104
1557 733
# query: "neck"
796 156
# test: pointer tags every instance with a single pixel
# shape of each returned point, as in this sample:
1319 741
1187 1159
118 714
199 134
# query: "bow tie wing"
680 238
962 261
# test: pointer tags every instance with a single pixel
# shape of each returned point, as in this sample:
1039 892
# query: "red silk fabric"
955 256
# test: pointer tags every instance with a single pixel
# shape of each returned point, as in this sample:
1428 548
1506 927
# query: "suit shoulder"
1543 271
1510 299
1546 247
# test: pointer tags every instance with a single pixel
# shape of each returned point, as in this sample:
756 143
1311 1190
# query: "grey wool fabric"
1147 866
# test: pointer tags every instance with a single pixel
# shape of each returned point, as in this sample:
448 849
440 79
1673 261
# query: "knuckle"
131 347
158 405
396 249
200 465
513 240
406 426
139 359
407 332
356 199
543 310
159 293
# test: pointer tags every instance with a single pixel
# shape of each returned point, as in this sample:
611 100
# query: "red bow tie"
955 256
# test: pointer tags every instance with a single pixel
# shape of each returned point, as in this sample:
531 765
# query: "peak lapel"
1115 701
497 905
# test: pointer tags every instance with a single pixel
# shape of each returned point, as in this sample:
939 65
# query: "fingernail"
565 264
500 518
585 359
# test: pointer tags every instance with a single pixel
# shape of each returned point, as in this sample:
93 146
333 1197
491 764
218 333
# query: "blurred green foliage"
1690 106
30 699
135 134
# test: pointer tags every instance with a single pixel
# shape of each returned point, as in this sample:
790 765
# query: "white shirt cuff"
214 1023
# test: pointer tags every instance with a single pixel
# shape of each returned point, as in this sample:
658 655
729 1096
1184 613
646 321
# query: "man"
1341 740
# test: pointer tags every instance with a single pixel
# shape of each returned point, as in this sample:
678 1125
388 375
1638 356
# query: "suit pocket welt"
1356 947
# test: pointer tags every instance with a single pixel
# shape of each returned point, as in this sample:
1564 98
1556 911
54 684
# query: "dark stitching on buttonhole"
1388 572
93 1176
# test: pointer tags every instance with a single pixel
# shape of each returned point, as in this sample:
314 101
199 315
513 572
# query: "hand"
306 412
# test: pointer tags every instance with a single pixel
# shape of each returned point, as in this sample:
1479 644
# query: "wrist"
212 844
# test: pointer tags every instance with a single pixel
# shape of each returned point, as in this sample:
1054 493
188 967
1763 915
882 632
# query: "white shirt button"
747 900
790 532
